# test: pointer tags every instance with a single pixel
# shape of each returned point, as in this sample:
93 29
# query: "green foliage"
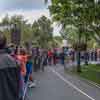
42 31
82 14
57 41
91 72
70 33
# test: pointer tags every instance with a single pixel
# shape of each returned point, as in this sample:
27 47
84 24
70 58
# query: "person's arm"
23 68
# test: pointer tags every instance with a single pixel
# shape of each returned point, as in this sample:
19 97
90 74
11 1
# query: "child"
28 76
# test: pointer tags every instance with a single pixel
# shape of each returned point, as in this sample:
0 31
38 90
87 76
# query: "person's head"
2 41
12 45
22 51
29 57
16 50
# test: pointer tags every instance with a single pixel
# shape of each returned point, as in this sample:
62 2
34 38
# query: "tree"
57 41
63 12
78 13
21 24
4 23
70 34
42 31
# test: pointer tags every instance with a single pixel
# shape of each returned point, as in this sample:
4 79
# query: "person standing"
9 74
29 74
44 60
37 60
62 56
54 57
50 57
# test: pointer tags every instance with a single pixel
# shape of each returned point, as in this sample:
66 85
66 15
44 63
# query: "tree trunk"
86 58
78 61
86 52
79 53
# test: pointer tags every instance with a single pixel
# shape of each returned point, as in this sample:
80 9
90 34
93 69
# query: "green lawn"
91 72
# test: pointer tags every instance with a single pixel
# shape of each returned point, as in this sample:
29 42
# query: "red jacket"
23 60
50 54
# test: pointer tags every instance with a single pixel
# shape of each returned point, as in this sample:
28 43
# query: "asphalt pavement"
55 84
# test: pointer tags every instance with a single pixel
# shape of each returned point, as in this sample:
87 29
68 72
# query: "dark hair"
29 57
16 50
2 41
22 51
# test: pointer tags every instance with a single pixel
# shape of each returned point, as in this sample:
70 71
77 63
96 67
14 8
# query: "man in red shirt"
50 55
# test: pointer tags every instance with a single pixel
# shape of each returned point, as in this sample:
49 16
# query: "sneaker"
32 85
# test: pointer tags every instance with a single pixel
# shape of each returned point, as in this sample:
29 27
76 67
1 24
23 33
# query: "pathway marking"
70 84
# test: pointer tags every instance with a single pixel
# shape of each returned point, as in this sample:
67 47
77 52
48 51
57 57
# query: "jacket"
9 77
22 59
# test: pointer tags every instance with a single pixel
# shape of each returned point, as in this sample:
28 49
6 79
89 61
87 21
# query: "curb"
89 81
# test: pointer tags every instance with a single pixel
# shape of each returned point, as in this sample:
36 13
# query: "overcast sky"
30 9
21 4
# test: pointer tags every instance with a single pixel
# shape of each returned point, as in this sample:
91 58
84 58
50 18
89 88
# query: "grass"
91 72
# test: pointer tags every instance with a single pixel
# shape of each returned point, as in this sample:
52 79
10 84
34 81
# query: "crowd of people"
17 65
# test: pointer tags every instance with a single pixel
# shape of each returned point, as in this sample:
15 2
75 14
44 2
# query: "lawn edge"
84 79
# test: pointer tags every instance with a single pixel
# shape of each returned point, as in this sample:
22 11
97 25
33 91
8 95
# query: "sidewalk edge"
84 79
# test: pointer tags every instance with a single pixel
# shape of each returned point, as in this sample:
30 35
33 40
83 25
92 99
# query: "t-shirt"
50 54
23 60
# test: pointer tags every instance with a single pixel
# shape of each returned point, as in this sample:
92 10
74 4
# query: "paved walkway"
55 84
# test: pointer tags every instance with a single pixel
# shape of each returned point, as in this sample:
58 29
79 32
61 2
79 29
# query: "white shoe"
32 85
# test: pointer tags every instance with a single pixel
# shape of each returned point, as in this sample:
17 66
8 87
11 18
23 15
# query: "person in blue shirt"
29 69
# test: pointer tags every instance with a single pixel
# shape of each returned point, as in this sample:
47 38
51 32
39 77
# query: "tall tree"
80 14
42 31
4 27
26 30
